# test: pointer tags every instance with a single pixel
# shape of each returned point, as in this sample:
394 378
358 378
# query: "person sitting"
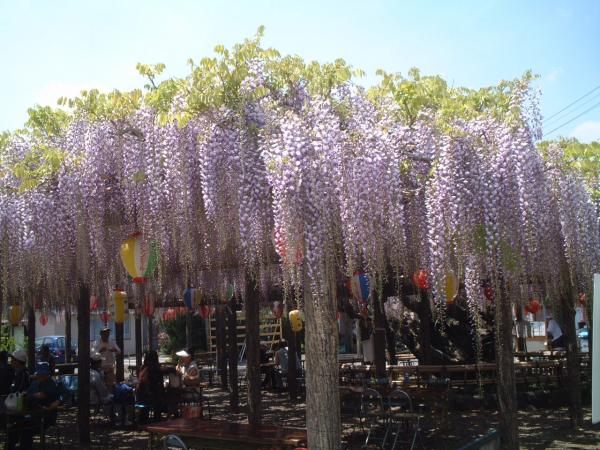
188 369
267 368
47 356
150 390
99 394
21 379
555 334
42 394
6 374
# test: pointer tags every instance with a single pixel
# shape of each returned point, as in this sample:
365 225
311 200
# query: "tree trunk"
573 363
506 386
425 320
291 339
83 332
221 346
234 395
379 336
322 372
119 338
253 352
68 339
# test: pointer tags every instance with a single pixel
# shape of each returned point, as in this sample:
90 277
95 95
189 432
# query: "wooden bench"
234 436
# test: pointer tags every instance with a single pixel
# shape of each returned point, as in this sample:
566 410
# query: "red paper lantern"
171 313
105 316
277 309
535 306
489 293
93 303
43 319
148 308
420 279
204 311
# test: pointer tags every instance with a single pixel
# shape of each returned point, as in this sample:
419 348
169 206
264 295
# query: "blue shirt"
47 387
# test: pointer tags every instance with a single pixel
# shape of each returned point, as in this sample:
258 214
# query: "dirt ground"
538 429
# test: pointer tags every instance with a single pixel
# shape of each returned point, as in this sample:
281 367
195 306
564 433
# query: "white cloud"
554 75
587 131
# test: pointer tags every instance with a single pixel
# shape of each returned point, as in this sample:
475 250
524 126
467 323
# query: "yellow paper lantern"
295 320
139 257
451 287
15 314
198 300
119 302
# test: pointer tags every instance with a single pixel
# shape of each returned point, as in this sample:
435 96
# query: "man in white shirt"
188 369
555 334
108 350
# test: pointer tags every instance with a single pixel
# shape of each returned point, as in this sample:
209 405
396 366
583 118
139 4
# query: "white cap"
96 356
182 354
20 355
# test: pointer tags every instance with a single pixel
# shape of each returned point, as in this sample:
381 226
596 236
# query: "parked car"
583 338
57 347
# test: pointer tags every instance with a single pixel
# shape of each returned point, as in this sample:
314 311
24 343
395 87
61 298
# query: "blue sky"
54 48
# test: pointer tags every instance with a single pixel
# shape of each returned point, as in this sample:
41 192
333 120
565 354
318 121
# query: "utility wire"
572 103
571 120
575 110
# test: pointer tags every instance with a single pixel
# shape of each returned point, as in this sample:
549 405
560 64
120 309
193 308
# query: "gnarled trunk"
83 331
253 352
234 396
322 371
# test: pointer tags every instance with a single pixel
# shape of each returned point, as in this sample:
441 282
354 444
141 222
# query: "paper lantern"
489 293
148 309
535 306
105 316
451 287
43 320
198 298
204 311
119 302
188 298
139 257
14 315
420 279
358 286
295 320
277 309
94 303
228 294
170 314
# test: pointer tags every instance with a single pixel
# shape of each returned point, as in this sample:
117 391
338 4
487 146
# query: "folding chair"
373 414
401 419
172 441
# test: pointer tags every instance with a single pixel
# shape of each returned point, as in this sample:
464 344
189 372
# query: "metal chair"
401 419
373 414
173 441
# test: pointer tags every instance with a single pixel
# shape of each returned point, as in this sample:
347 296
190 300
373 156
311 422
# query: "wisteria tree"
260 169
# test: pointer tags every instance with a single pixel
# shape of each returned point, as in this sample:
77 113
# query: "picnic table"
234 436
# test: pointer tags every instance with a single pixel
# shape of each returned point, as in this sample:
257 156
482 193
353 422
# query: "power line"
575 110
572 103
571 120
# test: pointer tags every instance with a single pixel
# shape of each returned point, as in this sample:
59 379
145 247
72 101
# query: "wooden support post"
83 331
323 422
292 341
573 383
68 339
119 339
253 352
31 338
425 320
506 384
234 395
150 332
138 327
188 331
379 336
221 346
